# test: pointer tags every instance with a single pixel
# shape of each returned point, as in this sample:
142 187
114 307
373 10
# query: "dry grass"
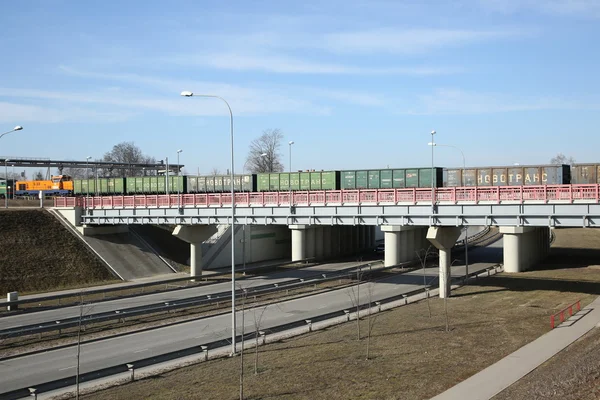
412 355
38 253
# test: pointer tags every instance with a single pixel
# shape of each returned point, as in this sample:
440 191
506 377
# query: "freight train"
515 175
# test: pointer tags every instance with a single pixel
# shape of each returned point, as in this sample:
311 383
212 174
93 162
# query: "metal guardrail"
178 304
145 362
166 282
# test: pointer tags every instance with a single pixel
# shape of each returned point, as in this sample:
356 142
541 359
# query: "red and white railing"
490 194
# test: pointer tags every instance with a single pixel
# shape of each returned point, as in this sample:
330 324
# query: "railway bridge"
333 222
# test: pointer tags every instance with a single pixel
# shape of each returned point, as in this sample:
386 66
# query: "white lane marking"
139 351
64 369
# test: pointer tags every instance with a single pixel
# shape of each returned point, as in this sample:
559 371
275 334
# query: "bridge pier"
319 239
444 239
299 242
195 235
327 241
524 247
401 243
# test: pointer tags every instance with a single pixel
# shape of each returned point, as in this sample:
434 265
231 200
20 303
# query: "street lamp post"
6 182
432 178
290 143
178 195
233 328
16 128
167 181
466 226
87 177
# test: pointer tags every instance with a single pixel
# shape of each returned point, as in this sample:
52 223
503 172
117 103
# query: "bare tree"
215 171
264 153
38 176
355 299
370 320
257 321
423 254
560 159
127 153
74 172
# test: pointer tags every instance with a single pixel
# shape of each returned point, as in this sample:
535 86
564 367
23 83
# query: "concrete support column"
392 247
355 235
319 241
410 248
310 242
345 240
444 239
298 242
399 243
368 237
195 235
335 241
195 259
361 238
517 248
327 244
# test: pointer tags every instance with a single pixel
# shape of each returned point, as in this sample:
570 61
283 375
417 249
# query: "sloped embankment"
38 254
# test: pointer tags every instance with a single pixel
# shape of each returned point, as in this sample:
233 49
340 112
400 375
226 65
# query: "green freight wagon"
390 178
2 189
100 186
220 183
309 180
145 184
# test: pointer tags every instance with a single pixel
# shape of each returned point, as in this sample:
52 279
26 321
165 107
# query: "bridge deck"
548 205
491 194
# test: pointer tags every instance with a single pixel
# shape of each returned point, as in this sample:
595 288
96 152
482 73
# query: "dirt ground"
412 355
37 254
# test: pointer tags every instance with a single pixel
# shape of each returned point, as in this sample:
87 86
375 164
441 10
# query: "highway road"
58 314
31 370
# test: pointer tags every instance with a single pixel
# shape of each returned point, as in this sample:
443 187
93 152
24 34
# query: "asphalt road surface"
58 314
31 370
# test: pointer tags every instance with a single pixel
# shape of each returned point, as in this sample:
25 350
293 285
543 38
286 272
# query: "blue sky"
356 84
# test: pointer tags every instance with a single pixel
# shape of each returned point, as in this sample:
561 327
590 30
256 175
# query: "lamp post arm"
457 148
6 133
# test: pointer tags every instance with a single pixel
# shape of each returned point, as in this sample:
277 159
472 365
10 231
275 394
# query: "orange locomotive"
60 185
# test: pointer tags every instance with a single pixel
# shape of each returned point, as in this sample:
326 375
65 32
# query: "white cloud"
23 113
243 102
409 41
234 93
458 102
291 65
580 8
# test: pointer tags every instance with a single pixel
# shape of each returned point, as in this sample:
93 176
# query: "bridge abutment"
524 247
195 235
444 239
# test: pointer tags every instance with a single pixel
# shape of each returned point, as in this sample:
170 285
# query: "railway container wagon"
582 174
100 186
508 176
309 180
2 189
220 183
391 178
154 184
